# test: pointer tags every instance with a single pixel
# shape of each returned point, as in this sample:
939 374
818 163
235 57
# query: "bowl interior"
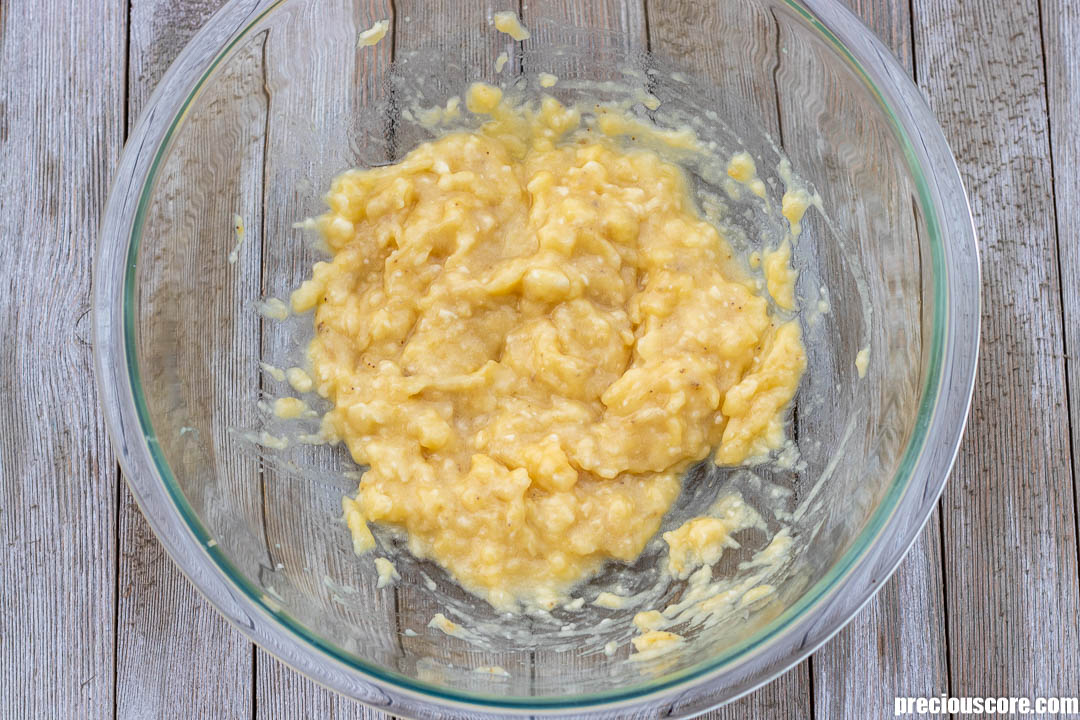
294 101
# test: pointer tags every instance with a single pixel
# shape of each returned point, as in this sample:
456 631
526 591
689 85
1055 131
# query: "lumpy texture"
528 333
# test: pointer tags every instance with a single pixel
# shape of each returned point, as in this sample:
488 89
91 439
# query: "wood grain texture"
170 639
752 85
896 645
1010 530
1061 43
465 29
626 18
891 22
616 23
177 657
61 130
284 694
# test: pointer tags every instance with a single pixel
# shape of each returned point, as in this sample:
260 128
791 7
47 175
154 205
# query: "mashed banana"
528 333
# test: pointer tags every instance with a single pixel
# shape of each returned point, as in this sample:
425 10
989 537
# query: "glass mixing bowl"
272 99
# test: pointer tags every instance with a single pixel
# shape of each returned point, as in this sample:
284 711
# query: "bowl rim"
823 610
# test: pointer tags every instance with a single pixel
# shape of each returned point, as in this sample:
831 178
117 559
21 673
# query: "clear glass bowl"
272 99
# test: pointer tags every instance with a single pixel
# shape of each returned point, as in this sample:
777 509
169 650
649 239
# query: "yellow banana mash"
528 333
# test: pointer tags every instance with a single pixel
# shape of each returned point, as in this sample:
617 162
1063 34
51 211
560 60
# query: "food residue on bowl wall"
373 34
273 309
862 361
507 22
387 572
238 230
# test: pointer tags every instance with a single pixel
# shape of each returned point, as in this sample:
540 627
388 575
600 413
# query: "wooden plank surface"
170 639
284 694
61 130
1061 43
1010 542
552 22
471 33
752 85
896 645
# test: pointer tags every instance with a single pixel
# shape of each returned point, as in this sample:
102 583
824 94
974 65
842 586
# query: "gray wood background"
96 622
